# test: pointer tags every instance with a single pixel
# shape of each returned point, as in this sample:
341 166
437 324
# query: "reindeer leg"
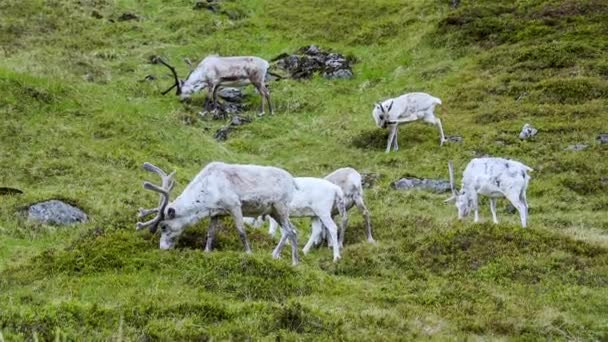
493 209
267 94
259 87
237 215
214 222
361 206
391 136
215 90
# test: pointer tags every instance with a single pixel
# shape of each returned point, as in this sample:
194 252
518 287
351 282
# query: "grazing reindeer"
349 181
403 109
214 72
492 177
219 190
316 198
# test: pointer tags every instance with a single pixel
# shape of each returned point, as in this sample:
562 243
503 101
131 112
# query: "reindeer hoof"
261 114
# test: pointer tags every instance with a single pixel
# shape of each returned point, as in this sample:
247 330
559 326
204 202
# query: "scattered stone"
128 16
212 5
454 139
576 148
309 60
231 94
222 133
238 120
9 191
436 185
342 74
56 212
602 138
369 179
527 132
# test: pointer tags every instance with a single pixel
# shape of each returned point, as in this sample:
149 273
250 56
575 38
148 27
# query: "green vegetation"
77 125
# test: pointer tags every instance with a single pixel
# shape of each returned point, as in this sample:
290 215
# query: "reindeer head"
461 199
184 89
162 212
380 114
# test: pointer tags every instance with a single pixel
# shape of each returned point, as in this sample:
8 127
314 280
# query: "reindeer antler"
454 192
167 185
177 82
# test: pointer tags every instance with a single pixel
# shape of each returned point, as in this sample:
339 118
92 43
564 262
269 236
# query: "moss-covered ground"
76 124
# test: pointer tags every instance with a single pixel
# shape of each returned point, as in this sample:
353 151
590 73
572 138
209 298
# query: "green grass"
77 125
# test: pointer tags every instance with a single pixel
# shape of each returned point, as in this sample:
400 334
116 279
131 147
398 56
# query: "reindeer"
403 109
315 198
215 71
219 190
492 177
349 181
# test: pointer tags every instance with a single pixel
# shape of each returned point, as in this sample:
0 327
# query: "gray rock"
309 60
576 148
454 139
527 132
231 94
342 74
602 138
238 120
436 185
222 133
56 212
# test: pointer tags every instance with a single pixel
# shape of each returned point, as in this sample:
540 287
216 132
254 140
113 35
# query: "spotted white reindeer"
492 177
403 109
219 190
214 72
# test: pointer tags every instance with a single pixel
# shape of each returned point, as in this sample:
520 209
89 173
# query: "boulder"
56 212
435 185
308 60
602 138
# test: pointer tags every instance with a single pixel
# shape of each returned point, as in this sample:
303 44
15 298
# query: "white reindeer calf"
315 198
406 108
492 177
214 72
349 181
219 190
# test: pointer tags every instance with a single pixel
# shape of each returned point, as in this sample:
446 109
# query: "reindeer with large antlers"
215 71
219 190
492 177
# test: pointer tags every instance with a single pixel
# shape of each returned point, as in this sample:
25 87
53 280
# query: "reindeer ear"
390 106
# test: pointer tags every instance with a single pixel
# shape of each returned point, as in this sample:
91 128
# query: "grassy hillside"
77 124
